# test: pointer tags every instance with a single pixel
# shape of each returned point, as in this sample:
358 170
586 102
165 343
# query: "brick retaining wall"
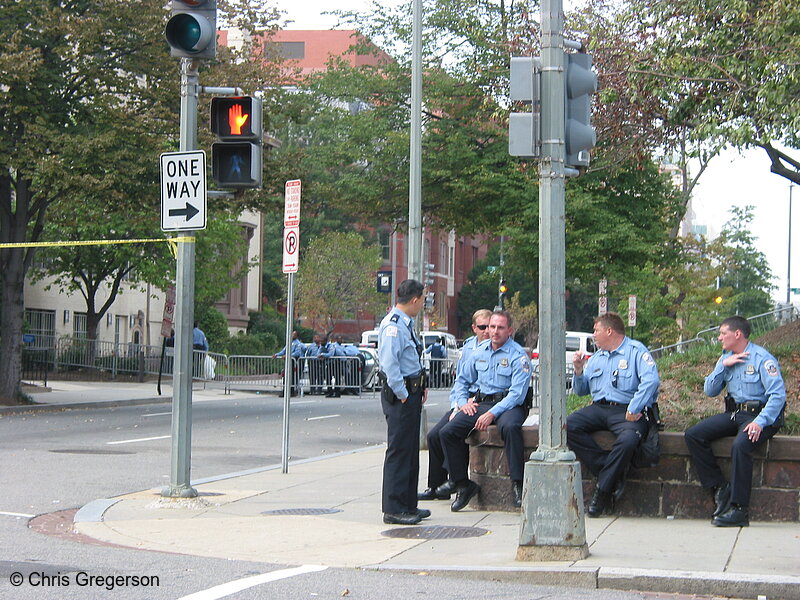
671 488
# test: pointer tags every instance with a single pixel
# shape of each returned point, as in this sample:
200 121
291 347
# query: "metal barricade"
441 373
342 374
245 372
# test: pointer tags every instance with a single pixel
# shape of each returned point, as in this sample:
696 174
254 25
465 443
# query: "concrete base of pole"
178 492
552 526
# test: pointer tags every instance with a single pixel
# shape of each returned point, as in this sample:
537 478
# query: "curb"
736 585
28 408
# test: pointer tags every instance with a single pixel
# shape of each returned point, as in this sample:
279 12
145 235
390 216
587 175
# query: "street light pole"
789 257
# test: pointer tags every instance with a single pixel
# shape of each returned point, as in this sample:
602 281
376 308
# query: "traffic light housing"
502 289
580 83
427 276
524 128
191 30
236 158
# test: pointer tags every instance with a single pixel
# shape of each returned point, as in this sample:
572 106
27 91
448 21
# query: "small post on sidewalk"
552 526
288 375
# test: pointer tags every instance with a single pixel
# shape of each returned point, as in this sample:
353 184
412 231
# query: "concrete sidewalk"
327 511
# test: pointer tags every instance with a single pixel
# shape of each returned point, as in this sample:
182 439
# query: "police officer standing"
402 396
623 380
502 371
437 469
754 413
315 371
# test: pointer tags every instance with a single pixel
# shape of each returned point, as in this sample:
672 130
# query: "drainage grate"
89 451
435 532
302 511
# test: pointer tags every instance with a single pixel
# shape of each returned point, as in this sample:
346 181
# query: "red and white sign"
291 206
631 311
291 249
167 322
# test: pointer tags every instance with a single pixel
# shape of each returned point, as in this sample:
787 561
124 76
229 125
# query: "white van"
576 341
370 338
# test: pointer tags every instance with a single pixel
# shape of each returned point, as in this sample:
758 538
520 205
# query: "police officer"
623 380
315 371
350 371
502 371
333 366
437 354
402 396
754 413
437 470
298 350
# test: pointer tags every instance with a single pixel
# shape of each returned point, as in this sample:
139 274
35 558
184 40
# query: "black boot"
516 487
722 498
600 500
735 516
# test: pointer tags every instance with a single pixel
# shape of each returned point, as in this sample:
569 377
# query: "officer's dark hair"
408 290
612 320
737 323
504 314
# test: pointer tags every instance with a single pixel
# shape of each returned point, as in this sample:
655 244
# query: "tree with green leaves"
337 280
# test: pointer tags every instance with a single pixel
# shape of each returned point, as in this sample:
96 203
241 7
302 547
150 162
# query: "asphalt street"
56 462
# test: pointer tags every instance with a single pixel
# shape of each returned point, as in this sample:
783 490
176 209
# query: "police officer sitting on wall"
623 380
754 413
402 396
437 469
502 371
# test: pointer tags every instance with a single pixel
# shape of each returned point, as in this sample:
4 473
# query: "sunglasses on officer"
482 327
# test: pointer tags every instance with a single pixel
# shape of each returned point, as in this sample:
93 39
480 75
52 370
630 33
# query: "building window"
42 324
292 50
79 325
443 262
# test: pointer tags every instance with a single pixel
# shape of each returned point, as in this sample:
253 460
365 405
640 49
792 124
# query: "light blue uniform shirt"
627 375
506 369
199 338
758 377
313 351
349 350
397 351
466 351
333 349
298 349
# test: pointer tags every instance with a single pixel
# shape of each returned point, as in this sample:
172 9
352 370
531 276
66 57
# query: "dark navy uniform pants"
401 463
453 434
437 464
608 466
698 440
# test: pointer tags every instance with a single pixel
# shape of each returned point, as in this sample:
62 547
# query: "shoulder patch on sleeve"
390 331
771 367
394 318
526 365
648 359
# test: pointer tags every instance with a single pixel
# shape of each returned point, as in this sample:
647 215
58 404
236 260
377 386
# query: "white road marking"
13 514
323 417
304 402
157 414
160 437
232 587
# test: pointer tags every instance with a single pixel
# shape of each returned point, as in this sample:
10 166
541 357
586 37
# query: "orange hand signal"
236 119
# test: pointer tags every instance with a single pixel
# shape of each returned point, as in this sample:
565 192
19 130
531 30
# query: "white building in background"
136 314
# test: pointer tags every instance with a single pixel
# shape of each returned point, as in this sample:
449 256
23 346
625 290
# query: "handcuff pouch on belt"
415 384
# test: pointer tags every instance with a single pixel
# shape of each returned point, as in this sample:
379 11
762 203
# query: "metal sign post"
291 262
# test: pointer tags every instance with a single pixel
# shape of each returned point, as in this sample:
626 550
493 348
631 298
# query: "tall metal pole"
552 526
415 151
180 470
789 257
288 374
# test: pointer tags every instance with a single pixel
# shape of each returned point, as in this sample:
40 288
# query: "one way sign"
183 191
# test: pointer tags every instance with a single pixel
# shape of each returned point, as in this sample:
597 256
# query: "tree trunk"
11 317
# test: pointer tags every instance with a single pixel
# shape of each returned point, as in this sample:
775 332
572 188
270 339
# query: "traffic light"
524 135
427 276
236 159
501 295
191 30
580 84
718 300
430 301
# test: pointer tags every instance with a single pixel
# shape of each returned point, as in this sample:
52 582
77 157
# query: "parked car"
575 341
369 373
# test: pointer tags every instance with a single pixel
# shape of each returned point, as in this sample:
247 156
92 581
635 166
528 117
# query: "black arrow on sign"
188 212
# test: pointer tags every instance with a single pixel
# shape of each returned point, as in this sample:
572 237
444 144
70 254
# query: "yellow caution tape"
173 243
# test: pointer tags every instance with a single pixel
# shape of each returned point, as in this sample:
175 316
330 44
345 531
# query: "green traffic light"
186 31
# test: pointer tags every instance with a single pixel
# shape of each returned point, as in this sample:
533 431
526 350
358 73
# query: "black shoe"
735 516
402 518
430 494
423 513
598 503
516 487
447 489
722 499
464 495
619 488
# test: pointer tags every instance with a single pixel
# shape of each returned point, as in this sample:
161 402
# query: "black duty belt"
753 406
605 402
490 398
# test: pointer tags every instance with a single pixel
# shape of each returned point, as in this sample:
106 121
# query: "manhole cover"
89 451
435 532
302 511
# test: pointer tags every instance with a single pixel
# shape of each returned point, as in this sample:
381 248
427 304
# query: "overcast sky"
732 179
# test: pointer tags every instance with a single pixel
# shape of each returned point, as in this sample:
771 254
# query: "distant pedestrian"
298 350
199 340
754 409
436 352
623 380
402 396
